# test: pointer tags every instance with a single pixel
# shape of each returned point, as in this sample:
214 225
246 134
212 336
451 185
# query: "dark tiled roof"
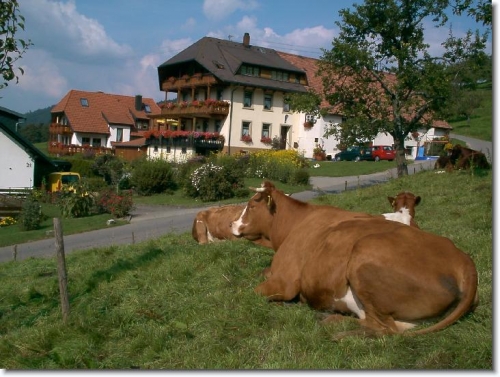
223 59
102 109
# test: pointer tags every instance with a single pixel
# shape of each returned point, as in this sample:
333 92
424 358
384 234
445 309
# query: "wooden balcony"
196 109
186 81
59 129
59 149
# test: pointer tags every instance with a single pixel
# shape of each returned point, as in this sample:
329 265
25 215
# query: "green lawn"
170 303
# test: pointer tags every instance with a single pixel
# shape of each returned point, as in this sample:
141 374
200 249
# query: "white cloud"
67 34
219 9
189 24
41 75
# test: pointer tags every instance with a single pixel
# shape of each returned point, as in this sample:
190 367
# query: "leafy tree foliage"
11 49
380 74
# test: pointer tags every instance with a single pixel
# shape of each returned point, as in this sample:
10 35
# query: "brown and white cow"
403 205
391 276
214 224
465 158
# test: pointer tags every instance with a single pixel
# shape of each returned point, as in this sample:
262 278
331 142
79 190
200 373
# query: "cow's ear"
417 200
391 200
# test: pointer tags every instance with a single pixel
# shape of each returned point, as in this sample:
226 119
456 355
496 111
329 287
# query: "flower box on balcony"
266 140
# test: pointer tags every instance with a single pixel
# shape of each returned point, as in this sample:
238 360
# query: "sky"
116 46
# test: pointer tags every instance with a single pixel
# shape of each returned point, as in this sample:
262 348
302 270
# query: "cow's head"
405 200
256 219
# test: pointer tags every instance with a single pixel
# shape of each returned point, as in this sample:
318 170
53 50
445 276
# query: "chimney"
246 40
138 102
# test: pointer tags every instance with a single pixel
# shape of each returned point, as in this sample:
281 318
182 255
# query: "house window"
96 142
268 101
219 94
266 130
84 102
286 107
247 98
147 108
155 148
119 134
217 125
245 129
169 149
85 140
184 150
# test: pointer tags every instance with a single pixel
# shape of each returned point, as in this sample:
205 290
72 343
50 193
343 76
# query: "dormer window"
84 102
147 108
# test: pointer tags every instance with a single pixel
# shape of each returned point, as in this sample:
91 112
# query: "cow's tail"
469 300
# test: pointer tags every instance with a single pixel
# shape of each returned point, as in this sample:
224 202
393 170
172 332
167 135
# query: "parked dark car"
383 152
354 153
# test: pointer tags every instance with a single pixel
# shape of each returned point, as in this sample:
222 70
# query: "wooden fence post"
61 268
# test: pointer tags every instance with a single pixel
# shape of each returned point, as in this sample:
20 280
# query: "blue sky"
115 46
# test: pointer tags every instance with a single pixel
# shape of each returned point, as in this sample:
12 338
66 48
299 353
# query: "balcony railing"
189 139
69 150
205 108
59 129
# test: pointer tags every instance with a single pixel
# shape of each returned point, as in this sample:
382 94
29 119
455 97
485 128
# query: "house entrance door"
284 137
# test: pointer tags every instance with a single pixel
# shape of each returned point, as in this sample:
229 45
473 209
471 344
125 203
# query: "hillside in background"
40 116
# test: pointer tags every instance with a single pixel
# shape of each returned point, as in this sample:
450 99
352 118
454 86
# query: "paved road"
153 221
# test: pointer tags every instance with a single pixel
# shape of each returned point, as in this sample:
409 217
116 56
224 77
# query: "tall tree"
380 74
11 49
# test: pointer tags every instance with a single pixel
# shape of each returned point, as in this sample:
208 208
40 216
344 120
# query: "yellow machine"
57 180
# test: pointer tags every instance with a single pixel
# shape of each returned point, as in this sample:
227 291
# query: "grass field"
170 303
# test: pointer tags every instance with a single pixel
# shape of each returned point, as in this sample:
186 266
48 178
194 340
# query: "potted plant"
319 153
308 124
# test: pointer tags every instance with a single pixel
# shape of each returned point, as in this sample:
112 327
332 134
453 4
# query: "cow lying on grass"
389 275
404 208
214 224
462 158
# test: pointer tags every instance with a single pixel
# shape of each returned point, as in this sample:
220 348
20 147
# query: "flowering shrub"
152 176
278 165
212 182
76 202
266 140
246 138
6 221
119 204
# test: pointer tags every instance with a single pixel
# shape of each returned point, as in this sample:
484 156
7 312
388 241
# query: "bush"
75 203
31 214
119 204
275 165
301 177
152 177
212 182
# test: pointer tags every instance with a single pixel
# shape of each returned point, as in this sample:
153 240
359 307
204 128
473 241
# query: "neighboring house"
230 88
100 123
22 164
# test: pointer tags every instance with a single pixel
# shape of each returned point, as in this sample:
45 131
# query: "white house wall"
256 115
175 154
17 167
309 138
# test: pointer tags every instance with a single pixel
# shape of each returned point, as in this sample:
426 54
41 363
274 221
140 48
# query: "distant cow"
444 162
463 158
389 275
404 208
215 224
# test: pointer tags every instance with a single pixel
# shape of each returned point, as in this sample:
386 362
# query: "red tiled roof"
103 108
309 65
